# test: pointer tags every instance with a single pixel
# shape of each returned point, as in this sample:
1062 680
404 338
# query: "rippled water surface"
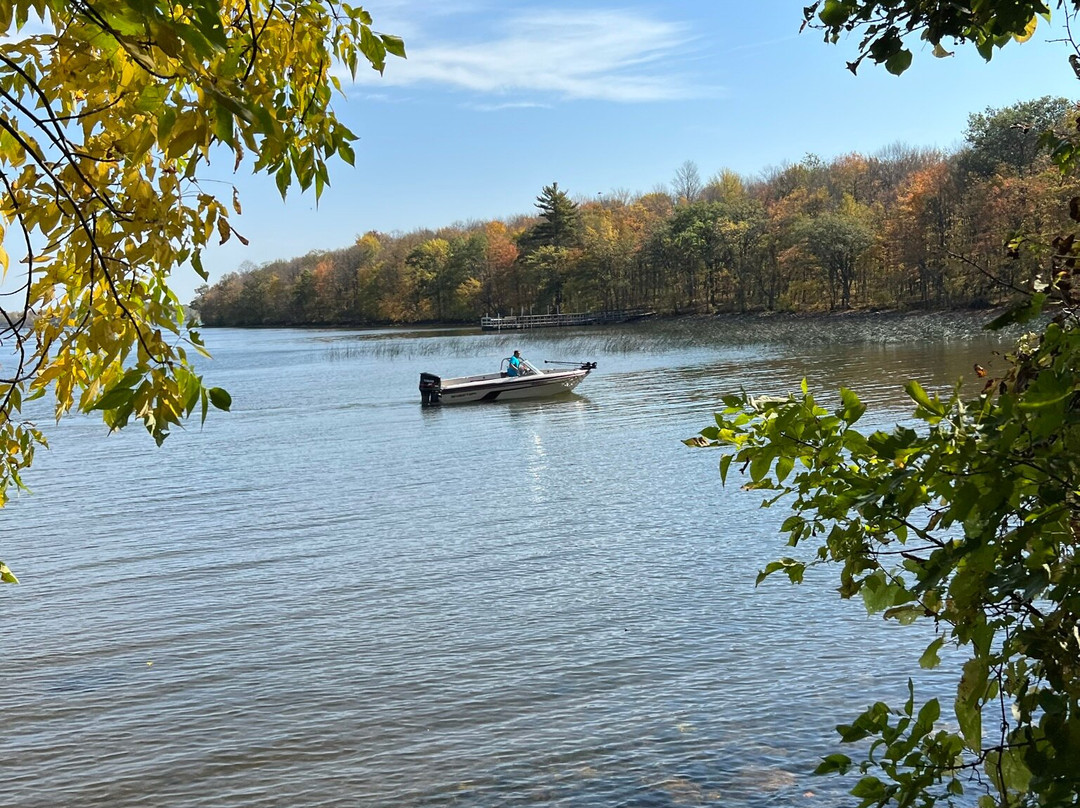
333 597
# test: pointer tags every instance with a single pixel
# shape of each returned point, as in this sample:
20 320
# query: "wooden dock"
523 321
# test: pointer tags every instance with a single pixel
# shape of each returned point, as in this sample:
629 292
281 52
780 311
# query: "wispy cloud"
509 105
612 55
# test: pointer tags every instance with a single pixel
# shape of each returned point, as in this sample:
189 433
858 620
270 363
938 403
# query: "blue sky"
498 99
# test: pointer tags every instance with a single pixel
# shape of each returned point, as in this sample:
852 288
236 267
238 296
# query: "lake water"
333 597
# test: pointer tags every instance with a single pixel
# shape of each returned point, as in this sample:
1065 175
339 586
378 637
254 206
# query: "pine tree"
561 225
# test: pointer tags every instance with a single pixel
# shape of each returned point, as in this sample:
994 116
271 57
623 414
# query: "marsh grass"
671 335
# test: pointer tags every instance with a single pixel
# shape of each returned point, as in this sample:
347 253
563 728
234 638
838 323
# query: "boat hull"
497 387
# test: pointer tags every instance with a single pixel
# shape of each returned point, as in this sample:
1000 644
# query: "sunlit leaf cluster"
110 115
885 24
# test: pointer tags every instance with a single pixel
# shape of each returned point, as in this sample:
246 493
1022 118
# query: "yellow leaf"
1029 30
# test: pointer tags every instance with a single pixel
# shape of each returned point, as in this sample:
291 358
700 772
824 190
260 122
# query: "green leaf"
853 408
346 153
792 568
969 694
930 658
373 49
916 392
898 62
929 713
220 398
870 789
904 615
784 466
197 265
1023 313
834 13
1009 770
879 594
725 464
283 178
394 45
1047 389
835 763
118 396
223 124
760 465
151 98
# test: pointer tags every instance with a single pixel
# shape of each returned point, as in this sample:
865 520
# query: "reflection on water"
333 596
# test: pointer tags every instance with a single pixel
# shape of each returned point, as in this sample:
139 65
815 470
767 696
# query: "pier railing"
522 321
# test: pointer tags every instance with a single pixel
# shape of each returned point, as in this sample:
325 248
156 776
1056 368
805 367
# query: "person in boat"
515 366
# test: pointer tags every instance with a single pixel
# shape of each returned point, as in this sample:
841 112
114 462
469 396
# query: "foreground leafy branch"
885 25
109 113
968 520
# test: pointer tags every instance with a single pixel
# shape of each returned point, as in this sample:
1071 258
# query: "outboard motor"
430 389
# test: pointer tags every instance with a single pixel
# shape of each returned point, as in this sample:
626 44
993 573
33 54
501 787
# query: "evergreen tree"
561 221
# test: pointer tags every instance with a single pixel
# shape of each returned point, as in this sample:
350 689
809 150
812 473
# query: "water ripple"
333 597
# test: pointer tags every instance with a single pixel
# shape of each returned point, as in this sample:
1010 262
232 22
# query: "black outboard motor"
430 389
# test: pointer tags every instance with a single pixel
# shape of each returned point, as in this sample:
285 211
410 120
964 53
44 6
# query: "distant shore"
876 325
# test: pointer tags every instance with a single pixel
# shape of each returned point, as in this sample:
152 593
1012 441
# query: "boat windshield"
528 368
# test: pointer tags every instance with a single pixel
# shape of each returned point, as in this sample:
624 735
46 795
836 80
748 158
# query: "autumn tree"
694 247
725 186
787 275
112 113
1010 137
610 243
838 240
428 276
919 232
741 233
500 253
465 267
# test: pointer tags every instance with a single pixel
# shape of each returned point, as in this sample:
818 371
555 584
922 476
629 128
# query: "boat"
531 383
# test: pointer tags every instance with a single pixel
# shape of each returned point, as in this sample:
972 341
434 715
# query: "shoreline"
965 319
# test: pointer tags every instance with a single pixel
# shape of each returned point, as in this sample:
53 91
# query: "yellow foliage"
1029 30
108 120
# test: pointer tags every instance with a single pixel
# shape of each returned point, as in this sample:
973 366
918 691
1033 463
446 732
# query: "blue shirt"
514 368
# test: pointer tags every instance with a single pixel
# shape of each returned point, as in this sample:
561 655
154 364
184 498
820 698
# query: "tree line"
908 227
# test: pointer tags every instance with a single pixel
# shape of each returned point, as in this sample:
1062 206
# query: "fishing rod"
590 365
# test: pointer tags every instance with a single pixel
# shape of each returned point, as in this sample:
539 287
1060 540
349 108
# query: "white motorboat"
531 383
